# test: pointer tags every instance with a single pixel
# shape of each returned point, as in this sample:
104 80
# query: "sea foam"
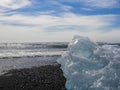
88 66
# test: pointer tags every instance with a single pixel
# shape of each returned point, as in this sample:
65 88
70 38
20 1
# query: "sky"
59 20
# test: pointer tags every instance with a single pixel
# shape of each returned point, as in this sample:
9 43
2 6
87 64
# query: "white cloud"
20 34
45 21
16 27
86 9
90 24
13 4
102 3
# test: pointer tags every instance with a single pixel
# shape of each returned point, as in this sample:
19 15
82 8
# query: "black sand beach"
49 77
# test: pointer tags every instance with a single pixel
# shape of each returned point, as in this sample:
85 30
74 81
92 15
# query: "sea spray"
88 66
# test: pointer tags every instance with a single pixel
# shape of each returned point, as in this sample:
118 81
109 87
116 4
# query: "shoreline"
48 77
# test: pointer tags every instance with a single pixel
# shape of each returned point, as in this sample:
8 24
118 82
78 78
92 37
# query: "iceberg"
89 66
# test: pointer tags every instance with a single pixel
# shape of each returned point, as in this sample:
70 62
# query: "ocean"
28 55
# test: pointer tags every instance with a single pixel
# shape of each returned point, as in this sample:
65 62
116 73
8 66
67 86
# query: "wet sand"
49 77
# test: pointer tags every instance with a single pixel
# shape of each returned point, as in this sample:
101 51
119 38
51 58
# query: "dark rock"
49 77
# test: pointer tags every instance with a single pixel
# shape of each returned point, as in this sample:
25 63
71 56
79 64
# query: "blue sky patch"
88 16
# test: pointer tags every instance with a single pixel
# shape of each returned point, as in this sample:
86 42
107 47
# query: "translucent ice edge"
88 66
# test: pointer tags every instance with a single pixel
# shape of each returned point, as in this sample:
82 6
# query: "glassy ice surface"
88 66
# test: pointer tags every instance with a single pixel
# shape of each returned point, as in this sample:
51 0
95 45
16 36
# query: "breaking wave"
19 50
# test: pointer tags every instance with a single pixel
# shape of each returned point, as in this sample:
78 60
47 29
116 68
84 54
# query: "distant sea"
27 55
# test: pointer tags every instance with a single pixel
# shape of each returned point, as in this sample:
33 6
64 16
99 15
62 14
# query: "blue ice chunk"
88 66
